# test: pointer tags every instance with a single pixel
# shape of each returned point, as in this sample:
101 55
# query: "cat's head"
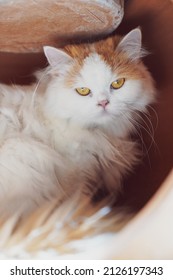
100 84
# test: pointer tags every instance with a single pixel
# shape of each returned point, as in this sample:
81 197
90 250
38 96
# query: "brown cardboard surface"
156 20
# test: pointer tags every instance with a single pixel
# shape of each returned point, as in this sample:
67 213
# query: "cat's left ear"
131 44
56 57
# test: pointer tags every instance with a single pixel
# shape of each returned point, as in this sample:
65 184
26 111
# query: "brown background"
156 20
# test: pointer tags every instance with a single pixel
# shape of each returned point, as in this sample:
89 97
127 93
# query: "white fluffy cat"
70 131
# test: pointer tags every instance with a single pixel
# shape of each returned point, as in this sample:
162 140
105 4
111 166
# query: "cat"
71 130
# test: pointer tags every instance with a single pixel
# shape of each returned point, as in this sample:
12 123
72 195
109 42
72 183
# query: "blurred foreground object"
25 26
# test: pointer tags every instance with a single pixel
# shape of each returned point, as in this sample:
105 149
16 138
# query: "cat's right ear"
56 57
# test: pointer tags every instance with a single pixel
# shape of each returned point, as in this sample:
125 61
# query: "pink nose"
103 103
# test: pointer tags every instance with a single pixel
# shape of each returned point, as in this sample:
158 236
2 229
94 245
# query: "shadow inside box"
19 68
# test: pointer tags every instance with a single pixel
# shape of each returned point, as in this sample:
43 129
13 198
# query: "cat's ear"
131 44
56 57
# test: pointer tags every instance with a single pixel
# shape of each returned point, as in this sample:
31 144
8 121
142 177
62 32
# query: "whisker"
155 114
149 133
150 130
147 149
137 131
44 74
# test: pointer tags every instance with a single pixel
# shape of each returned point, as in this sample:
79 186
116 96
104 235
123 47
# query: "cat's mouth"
104 112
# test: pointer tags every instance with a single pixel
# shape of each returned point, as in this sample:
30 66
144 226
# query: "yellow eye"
83 91
118 83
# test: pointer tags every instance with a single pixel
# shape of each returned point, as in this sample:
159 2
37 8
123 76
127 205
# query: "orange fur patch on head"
105 48
78 53
117 60
72 74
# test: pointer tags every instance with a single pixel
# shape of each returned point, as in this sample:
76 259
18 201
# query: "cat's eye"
83 91
118 83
